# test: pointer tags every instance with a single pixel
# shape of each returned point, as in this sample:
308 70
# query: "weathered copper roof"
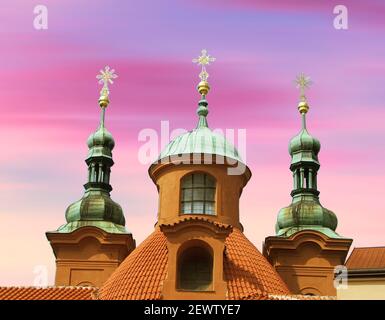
304 147
141 275
366 258
201 140
306 214
48 293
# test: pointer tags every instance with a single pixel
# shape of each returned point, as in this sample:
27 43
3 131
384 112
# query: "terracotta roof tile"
247 271
141 274
48 293
367 258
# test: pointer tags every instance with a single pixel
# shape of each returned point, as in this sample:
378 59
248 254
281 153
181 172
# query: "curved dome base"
106 226
287 232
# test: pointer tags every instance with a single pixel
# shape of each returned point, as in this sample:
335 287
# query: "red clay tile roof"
247 271
47 293
367 258
141 274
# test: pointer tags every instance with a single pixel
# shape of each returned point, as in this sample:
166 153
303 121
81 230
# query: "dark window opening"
195 269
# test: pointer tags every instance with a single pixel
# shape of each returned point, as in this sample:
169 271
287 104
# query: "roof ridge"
50 287
374 247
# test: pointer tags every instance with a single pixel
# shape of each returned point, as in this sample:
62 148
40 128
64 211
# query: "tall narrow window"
195 269
198 194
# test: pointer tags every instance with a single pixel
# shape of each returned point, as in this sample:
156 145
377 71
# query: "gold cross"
303 82
106 77
203 60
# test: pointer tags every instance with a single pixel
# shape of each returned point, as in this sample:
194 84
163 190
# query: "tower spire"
305 212
96 204
203 86
304 148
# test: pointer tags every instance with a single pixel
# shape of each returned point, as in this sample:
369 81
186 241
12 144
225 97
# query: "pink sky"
49 107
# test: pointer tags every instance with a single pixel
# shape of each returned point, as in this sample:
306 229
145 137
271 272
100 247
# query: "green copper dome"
304 142
306 214
304 147
201 140
100 143
95 206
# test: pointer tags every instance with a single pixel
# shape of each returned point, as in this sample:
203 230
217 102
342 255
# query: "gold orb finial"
105 77
203 60
303 82
203 87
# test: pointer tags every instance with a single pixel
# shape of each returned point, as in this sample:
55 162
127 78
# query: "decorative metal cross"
106 77
203 60
303 82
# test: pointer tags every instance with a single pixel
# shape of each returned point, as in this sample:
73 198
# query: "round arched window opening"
198 194
195 269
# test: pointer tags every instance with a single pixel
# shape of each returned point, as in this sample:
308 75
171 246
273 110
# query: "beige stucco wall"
363 289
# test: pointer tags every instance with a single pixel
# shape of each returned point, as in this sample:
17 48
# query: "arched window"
195 269
198 194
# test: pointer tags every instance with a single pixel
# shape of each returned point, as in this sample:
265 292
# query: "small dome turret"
101 138
304 142
96 208
305 212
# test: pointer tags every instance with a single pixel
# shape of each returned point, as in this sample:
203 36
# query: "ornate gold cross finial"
303 82
105 78
203 60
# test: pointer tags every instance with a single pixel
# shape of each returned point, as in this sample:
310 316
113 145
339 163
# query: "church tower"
198 249
94 241
306 247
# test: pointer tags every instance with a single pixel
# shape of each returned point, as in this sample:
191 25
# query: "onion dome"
96 208
305 215
101 143
304 147
305 212
141 275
